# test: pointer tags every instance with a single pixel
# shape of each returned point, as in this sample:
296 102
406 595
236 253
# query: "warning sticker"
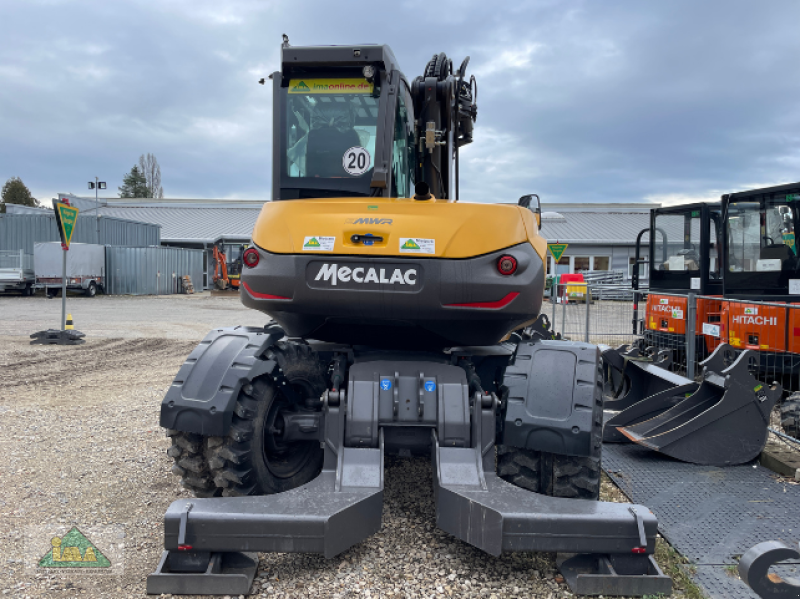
417 245
330 86
713 330
356 161
318 243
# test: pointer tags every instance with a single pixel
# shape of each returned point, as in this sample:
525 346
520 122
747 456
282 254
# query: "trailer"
16 272
86 266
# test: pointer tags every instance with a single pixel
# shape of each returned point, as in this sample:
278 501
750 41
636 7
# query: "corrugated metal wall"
21 231
151 271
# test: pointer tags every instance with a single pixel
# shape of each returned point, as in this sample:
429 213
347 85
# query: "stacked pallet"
187 284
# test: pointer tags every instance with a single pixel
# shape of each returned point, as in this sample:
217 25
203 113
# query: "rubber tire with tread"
235 465
790 415
91 290
554 474
549 473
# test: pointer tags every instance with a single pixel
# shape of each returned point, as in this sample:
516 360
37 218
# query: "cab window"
403 150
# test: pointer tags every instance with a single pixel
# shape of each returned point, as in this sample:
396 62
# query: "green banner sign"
67 219
557 249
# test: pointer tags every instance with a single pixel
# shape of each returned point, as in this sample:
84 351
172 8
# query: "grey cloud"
579 101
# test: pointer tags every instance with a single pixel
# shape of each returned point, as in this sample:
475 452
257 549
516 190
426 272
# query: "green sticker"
410 244
792 197
372 207
312 243
758 388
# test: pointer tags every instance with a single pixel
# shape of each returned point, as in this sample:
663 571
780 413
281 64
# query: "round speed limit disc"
356 161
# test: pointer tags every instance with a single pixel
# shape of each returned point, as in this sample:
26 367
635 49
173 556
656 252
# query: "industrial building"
601 237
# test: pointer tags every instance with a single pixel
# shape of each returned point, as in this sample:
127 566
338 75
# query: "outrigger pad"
723 423
591 574
754 570
203 573
56 337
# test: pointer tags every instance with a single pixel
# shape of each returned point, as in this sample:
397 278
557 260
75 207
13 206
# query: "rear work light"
250 257
507 265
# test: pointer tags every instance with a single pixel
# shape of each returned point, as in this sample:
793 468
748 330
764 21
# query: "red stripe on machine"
263 295
491 305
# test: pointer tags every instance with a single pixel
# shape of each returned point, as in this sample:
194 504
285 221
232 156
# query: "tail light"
250 257
507 265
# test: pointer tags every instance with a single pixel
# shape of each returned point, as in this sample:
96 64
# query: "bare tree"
148 166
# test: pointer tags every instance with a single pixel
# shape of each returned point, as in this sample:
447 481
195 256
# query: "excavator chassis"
404 404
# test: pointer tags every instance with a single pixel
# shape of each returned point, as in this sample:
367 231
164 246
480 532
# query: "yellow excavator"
403 322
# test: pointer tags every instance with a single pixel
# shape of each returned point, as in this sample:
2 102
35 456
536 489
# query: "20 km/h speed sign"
356 161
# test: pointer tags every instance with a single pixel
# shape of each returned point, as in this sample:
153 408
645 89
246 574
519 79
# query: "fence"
595 313
686 326
151 271
16 259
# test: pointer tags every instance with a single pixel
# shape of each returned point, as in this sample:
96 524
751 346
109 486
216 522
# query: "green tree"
134 185
15 192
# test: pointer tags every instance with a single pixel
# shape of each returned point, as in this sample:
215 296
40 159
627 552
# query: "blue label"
386 384
430 386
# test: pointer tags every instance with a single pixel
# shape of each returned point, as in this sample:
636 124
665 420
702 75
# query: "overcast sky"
600 101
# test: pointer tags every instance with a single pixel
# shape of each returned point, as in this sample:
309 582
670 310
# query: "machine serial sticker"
318 244
677 314
711 330
417 245
794 286
356 161
751 311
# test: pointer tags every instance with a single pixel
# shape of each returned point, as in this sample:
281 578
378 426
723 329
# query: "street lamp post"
96 185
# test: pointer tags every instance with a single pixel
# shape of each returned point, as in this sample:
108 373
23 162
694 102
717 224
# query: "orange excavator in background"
226 274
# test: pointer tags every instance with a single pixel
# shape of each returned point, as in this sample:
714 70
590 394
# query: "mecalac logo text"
334 274
369 221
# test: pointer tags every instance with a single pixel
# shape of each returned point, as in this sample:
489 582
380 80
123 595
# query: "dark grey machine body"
405 404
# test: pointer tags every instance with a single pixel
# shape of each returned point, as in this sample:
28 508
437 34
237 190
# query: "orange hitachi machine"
761 263
684 256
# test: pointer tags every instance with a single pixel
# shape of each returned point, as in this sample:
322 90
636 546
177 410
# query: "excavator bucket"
658 403
723 423
629 376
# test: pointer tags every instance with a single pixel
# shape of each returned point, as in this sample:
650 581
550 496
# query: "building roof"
211 221
193 225
182 220
595 224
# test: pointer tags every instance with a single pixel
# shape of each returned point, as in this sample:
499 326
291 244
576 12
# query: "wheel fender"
552 398
203 395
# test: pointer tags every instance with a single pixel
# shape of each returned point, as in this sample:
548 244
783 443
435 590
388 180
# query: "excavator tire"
249 460
554 474
790 415
549 473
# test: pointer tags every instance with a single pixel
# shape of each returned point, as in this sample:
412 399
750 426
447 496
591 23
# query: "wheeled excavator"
403 322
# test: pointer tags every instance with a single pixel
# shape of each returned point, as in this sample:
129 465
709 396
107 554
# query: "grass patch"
671 562
675 565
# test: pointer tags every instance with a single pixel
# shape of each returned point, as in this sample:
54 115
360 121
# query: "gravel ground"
81 446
